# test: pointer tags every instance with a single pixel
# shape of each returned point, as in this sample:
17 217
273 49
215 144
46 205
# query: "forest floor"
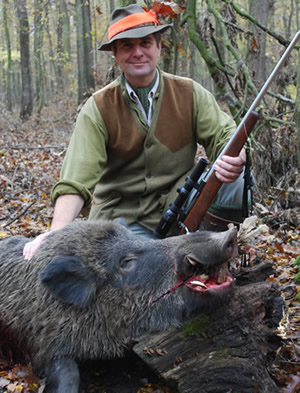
31 154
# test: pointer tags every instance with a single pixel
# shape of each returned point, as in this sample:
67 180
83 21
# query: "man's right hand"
31 247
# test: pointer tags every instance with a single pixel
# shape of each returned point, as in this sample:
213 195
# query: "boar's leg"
62 376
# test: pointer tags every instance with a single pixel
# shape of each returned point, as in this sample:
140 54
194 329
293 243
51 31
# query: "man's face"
137 58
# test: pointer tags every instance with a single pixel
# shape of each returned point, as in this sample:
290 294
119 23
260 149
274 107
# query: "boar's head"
109 256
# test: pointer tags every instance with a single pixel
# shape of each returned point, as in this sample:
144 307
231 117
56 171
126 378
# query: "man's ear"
67 279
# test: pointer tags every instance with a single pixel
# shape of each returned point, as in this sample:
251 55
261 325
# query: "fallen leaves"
20 379
149 388
155 351
30 159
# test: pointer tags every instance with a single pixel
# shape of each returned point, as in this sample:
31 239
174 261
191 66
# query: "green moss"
296 261
297 297
297 278
197 327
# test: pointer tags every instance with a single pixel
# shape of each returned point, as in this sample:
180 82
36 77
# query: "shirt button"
148 175
148 145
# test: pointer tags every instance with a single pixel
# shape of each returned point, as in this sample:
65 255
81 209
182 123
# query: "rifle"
190 217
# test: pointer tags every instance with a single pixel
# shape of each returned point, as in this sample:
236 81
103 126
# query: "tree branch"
244 14
19 215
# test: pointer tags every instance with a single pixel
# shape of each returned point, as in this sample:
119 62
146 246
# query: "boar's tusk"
221 273
200 283
192 261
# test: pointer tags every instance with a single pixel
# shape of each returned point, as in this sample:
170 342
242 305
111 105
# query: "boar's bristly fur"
88 291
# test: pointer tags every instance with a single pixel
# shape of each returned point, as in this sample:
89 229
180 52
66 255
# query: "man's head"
134 39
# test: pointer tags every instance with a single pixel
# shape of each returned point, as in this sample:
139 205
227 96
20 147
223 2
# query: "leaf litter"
31 154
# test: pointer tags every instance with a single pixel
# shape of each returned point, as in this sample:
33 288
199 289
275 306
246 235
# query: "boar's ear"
68 280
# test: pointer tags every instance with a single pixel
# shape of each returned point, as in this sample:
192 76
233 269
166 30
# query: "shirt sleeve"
86 156
213 126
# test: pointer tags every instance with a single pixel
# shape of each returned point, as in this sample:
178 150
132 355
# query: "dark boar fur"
88 291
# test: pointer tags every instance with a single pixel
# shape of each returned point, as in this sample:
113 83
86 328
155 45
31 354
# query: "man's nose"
137 50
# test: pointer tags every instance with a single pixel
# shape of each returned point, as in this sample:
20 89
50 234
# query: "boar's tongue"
219 281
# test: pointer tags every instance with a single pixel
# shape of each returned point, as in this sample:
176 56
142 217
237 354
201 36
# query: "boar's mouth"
216 278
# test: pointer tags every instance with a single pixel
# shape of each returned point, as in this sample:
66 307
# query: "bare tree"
256 59
8 48
26 95
84 49
38 60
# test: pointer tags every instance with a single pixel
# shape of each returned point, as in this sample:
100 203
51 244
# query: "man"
135 138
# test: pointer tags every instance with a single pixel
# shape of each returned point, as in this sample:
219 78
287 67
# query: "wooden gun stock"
208 193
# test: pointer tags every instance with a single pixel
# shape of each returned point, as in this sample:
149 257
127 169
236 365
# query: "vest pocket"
103 206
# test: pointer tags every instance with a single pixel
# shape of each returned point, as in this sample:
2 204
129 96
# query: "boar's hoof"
62 376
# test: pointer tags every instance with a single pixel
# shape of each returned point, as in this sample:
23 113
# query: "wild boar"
92 289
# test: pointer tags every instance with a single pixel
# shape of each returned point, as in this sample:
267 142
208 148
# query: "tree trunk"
88 45
297 114
227 350
60 48
53 64
8 47
38 45
124 3
256 58
63 44
66 30
84 49
111 6
297 106
26 97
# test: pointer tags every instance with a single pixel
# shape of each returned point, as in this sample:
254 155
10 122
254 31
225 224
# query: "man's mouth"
138 63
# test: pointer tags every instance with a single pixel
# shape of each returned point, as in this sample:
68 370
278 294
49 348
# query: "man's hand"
67 208
31 247
228 169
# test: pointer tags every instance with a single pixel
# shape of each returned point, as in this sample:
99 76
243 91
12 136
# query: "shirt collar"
151 93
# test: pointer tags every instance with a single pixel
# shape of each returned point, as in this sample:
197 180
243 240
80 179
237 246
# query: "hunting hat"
132 22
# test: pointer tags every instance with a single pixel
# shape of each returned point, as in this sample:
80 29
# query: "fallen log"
228 350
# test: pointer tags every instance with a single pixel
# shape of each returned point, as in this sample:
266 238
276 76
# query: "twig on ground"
19 215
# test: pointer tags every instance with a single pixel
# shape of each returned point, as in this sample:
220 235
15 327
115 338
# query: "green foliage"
297 262
297 277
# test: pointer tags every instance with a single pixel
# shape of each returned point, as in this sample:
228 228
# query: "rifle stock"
212 186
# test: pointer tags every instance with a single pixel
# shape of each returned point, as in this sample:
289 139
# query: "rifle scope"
175 208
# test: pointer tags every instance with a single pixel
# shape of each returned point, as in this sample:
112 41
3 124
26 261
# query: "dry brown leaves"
281 247
31 155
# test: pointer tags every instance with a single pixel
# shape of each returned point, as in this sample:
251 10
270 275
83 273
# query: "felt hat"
132 22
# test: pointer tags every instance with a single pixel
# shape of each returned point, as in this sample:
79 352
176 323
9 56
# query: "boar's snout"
230 243
206 264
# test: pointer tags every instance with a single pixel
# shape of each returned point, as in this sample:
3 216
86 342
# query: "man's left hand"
228 169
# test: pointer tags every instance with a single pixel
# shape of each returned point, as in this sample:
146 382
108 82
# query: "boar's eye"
128 263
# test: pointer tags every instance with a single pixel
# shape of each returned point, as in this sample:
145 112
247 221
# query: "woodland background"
49 65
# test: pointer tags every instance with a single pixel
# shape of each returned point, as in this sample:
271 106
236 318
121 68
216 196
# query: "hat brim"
138 32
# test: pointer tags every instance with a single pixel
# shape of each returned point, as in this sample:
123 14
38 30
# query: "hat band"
131 21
